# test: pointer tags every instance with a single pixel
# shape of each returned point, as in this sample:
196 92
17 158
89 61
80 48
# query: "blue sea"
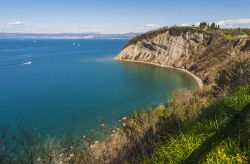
60 86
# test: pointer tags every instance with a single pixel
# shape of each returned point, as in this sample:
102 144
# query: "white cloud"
152 26
15 23
147 27
239 23
185 24
16 26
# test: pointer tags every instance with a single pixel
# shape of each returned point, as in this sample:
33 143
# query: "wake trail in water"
15 64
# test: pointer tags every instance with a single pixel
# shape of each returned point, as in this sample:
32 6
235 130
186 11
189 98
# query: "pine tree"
203 25
213 26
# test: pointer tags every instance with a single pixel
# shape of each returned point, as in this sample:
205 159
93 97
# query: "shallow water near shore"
59 86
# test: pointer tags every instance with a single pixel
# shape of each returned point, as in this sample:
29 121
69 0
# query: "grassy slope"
221 134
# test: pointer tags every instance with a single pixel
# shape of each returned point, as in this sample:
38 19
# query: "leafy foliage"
233 76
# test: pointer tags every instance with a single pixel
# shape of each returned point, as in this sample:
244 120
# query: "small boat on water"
29 62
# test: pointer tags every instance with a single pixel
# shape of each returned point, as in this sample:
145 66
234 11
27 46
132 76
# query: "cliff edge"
200 52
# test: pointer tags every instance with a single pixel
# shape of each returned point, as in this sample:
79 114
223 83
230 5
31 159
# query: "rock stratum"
201 52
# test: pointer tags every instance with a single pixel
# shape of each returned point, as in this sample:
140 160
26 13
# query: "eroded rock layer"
199 52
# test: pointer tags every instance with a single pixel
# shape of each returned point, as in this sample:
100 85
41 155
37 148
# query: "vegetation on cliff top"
230 34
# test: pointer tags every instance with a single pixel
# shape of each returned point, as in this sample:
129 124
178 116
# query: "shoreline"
197 79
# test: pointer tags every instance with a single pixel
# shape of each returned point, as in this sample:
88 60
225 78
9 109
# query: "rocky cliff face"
165 49
196 51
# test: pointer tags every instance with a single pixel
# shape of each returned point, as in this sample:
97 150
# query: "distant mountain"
66 36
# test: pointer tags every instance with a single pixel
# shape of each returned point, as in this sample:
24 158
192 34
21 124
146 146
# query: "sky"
117 16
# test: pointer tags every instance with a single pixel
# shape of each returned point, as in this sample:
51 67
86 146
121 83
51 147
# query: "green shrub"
230 78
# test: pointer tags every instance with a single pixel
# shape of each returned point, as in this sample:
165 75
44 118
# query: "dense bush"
233 76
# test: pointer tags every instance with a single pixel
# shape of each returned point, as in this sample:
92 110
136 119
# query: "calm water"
58 86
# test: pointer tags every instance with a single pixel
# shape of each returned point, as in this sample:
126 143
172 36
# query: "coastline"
197 79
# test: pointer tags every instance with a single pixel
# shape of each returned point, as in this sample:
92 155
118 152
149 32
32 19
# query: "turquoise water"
59 86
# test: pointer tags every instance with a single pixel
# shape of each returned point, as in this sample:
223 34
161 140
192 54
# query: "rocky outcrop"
191 49
165 49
